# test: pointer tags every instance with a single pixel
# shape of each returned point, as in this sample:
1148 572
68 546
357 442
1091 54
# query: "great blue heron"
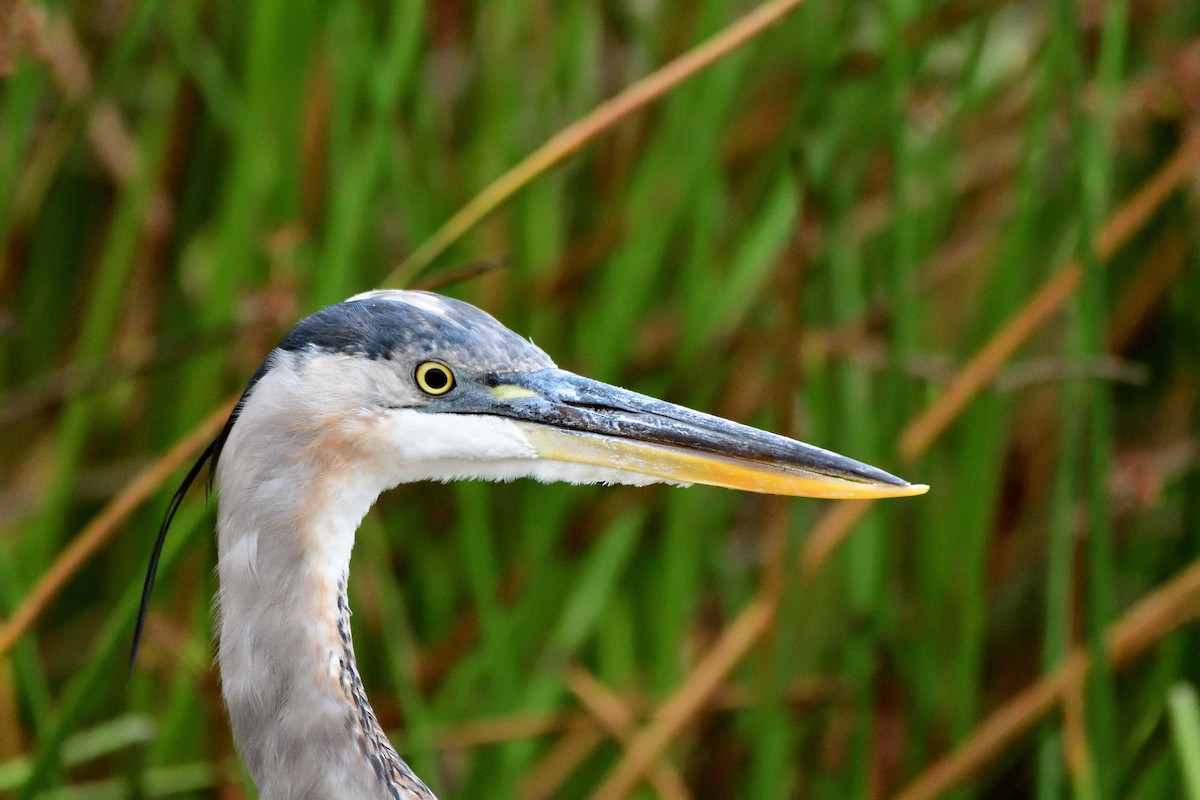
391 387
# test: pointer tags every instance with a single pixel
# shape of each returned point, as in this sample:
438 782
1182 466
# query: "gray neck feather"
300 718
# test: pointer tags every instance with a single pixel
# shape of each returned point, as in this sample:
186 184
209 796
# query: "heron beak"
570 418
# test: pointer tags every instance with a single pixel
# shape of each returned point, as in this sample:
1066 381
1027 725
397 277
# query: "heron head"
426 387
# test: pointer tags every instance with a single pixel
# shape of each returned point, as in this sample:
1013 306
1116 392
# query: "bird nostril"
602 408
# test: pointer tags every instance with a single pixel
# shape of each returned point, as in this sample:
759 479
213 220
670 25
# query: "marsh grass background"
958 239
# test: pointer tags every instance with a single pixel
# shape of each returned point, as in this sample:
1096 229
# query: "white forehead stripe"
426 301
382 294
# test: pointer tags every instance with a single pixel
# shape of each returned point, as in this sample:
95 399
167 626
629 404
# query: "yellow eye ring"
434 378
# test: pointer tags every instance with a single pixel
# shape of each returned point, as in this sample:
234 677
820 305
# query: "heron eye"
434 378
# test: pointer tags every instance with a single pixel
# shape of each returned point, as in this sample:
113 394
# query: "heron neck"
299 715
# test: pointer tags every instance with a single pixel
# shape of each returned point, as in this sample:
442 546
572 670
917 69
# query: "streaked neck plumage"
289 509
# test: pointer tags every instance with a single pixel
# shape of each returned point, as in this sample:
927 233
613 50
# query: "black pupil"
436 378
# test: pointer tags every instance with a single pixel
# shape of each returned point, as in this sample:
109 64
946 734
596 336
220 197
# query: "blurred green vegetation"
813 236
